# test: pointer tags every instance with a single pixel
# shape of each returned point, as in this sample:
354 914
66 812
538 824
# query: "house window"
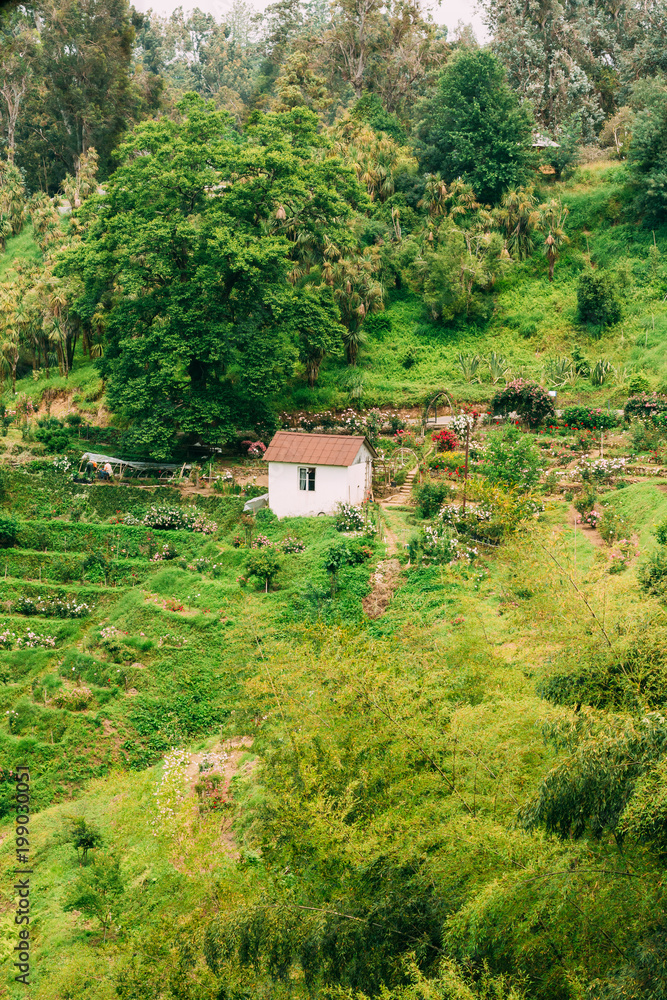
307 480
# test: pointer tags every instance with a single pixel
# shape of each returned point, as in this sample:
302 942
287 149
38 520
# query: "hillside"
287 791
415 747
531 325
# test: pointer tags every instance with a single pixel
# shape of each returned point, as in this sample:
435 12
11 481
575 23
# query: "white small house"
310 474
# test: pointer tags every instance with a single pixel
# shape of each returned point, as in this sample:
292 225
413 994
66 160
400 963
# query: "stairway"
403 496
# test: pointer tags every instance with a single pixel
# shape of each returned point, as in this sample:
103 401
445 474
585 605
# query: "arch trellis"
432 404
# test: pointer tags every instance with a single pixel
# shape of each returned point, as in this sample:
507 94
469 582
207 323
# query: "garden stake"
465 471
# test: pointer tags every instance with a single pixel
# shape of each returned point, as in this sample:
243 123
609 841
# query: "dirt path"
223 760
387 577
591 534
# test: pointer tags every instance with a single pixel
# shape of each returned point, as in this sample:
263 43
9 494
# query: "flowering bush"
459 424
621 555
213 793
255 449
291 544
645 406
349 517
587 417
62 464
592 518
451 514
600 470
262 542
54 607
31 640
167 518
441 545
164 553
613 526
445 440
405 439
528 399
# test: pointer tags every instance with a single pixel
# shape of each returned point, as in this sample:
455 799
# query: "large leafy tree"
186 261
476 128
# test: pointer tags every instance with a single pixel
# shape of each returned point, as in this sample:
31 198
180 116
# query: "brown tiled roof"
315 449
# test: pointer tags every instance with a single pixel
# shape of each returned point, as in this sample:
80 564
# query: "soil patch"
223 760
591 534
385 581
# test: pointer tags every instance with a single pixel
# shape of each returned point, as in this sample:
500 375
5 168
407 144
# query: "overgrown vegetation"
415 748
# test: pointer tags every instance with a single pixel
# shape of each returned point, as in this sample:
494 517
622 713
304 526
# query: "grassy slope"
532 319
465 649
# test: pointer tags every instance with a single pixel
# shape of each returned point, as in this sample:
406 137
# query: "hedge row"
37 493
11 590
68 567
103 539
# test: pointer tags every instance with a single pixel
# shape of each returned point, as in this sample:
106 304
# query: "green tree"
98 891
597 299
264 563
83 836
476 128
647 152
18 40
185 262
81 93
318 328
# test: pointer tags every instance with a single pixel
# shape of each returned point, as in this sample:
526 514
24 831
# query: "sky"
448 12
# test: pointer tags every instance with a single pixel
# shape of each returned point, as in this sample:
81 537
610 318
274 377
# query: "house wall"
333 484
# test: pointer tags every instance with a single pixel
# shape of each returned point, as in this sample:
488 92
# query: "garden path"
591 534
387 577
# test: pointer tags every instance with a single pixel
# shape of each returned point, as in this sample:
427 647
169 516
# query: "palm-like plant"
435 195
469 365
519 217
552 216
356 290
12 199
9 334
498 366
560 371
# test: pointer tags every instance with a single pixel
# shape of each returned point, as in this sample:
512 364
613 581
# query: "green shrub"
613 526
638 383
597 299
52 434
530 400
264 564
430 498
8 531
586 500
588 417
511 458
652 573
